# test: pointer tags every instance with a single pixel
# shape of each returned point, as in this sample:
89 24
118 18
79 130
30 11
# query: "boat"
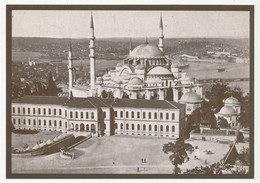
221 68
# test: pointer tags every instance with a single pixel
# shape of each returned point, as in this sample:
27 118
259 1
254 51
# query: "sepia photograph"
130 91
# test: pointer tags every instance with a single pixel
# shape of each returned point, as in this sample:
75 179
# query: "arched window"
115 125
161 128
173 116
155 128
19 121
144 128
150 127
127 126
167 128
55 123
87 128
138 127
122 126
60 123
173 128
133 126
34 122
92 115
93 129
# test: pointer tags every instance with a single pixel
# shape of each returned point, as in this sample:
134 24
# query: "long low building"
99 116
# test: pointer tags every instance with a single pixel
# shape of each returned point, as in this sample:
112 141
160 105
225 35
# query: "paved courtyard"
118 154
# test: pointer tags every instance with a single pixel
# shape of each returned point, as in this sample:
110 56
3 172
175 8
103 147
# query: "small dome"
159 70
117 80
140 67
231 100
227 110
99 78
136 81
119 64
36 146
146 51
190 97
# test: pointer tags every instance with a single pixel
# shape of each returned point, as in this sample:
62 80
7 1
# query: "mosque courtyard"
116 155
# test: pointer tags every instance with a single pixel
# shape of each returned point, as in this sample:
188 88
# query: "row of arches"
145 127
82 127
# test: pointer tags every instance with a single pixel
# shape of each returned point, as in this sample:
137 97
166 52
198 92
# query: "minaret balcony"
93 38
92 47
161 37
92 56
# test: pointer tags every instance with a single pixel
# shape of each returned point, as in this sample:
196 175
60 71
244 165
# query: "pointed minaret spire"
160 45
91 22
161 22
92 56
130 46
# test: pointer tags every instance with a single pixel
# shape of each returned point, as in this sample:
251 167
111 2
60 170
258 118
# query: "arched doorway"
87 128
82 128
93 128
76 127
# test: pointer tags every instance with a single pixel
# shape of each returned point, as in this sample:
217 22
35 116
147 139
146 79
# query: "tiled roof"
95 102
142 103
29 99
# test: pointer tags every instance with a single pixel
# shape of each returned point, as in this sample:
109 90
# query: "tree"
222 122
178 152
125 95
216 94
27 89
104 94
51 88
240 136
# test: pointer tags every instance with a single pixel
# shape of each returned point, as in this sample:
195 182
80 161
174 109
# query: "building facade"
99 116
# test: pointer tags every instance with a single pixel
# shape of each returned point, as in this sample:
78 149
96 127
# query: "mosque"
146 73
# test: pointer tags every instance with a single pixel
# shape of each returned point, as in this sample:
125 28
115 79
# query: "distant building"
230 111
99 116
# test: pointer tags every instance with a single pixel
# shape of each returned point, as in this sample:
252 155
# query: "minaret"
92 55
130 46
70 67
160 45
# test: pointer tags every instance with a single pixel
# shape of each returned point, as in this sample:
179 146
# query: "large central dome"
146 51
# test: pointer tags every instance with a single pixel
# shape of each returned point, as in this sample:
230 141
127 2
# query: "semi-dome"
119 64
146 51
159 70
232 101
117 80
139 67
136 81
190 97
227 110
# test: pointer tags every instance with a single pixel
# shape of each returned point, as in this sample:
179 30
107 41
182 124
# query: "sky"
177 24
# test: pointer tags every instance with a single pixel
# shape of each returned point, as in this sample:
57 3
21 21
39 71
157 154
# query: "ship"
221 68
